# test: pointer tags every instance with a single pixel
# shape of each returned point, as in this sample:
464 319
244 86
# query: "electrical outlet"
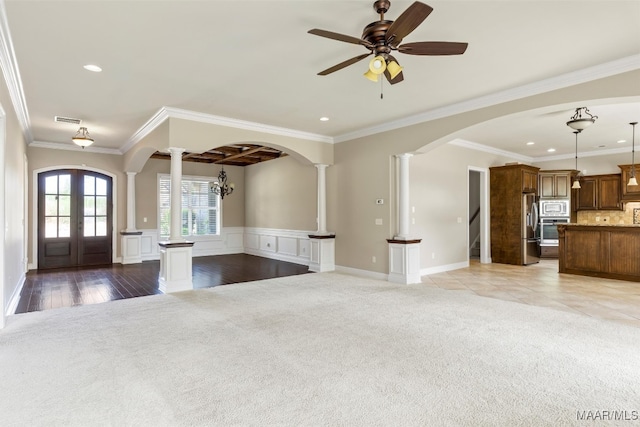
433 255
373 259
144 219
378 221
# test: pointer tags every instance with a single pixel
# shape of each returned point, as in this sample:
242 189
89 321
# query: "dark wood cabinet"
630 193
529 181
507 183
555 184
599 192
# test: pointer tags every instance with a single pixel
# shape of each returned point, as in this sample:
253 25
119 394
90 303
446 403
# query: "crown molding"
176 113
594 153
156 120
596 72
9 66
74 147
486 149
246 125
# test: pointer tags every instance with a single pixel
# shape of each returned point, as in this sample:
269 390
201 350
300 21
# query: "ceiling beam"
237 156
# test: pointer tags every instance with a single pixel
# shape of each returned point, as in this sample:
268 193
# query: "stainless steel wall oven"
549 230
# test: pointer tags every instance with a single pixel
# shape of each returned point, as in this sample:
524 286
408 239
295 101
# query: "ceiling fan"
383 36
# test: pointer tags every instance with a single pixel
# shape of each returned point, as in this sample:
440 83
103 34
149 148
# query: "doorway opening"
478 237
75 226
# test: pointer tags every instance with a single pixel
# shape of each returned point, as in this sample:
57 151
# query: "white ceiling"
254 61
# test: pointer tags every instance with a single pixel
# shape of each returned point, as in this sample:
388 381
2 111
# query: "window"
200 213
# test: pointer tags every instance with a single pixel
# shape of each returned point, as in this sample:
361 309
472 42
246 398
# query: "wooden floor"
48 289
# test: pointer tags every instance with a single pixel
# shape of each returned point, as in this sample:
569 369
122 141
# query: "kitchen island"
611 251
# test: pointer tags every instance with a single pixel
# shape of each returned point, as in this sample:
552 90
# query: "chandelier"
220 187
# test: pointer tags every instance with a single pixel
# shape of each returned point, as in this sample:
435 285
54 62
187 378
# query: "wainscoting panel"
228 242
285 245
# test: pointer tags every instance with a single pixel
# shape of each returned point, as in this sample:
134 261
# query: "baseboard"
443 268
362 273
15 298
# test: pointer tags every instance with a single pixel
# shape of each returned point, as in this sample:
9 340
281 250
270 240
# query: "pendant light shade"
82 138
632 177
576 182
394 69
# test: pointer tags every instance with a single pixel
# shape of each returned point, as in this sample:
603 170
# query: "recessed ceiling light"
324 119
551 150
530 143
622 141
93 68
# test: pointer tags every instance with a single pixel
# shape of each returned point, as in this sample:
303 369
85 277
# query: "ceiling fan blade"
433 48
398 78
407 22
343 64
339 37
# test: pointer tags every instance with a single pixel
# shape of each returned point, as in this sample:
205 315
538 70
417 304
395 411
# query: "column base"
322 256
176 273
131 247
404 261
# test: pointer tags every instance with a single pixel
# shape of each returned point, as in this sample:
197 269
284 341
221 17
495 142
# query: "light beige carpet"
316 349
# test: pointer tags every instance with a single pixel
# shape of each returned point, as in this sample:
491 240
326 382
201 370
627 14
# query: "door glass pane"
101 226
51 205
64 223
89 226
101 187
51 226
51 185
101 205
65 184
89 185
89 205
64 205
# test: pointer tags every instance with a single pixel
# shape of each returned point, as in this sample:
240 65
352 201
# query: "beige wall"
281 193
14 197
41 158
233 211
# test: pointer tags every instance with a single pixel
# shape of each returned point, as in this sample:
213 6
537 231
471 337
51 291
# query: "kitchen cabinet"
630 193
507 183
555 184
529 180
599 192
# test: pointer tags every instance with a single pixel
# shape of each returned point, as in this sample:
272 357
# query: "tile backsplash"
631 211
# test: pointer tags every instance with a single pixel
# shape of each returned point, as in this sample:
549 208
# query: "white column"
131 201
403 198
322 199
175 230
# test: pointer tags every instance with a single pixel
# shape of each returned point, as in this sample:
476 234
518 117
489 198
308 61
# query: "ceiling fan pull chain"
381 83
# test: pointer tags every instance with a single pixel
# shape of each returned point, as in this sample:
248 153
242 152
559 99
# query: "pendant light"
632 177
576 183
579 122
82 138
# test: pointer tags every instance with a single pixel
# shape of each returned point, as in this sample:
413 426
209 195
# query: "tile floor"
541 285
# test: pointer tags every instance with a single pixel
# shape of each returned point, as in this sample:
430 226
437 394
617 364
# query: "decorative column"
131 241
404 252
322 257
176 254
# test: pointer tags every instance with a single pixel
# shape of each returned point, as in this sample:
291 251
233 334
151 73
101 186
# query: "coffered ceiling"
254 61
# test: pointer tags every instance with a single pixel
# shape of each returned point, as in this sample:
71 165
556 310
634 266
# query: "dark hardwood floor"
45 289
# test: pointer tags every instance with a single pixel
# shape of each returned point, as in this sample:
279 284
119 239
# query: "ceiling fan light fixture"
394 69
82 137
377 65
371 76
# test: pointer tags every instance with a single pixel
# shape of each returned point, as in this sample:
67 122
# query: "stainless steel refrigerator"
530 243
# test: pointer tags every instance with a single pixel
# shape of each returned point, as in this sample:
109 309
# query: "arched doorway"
75 226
